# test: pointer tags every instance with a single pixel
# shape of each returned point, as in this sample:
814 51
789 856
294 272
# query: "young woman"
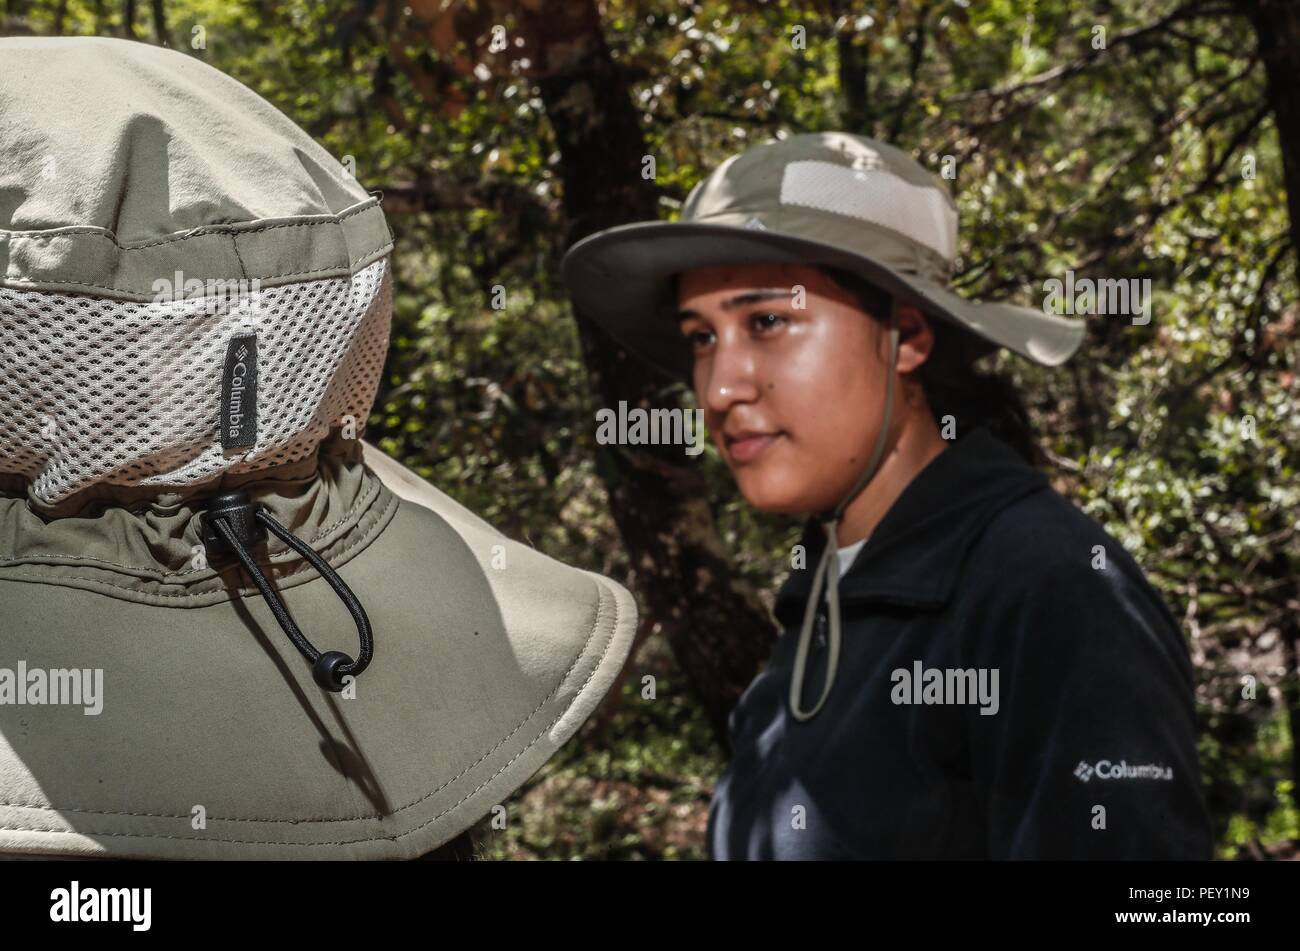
970 667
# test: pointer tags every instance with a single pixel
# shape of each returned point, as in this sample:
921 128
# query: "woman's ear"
915 338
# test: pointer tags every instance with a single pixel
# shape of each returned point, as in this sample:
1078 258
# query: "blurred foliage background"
1160 153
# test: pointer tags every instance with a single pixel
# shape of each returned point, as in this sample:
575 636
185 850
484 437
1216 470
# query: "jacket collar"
916 553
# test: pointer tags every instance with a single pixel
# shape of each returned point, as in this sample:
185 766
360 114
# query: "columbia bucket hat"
229 627
830 199
826 198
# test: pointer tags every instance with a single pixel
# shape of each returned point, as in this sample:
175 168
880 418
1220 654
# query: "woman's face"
793 395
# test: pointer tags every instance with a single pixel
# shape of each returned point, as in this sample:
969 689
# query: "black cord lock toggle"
239 512
231 524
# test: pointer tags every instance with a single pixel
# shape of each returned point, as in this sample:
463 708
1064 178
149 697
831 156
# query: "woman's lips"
748 447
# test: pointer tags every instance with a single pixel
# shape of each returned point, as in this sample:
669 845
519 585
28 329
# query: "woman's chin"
774 499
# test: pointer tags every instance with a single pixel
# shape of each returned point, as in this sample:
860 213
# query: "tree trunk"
1291 697
160 24
854 51
718 629
1277 26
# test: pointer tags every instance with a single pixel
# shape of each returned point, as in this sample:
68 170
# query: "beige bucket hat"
195 538
825 198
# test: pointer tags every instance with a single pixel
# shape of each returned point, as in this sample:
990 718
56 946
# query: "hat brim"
488 656
619 278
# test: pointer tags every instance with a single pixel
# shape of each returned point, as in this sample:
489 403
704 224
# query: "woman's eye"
766 322
699 338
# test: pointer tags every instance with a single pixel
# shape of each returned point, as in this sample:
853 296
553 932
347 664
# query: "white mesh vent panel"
100 391
876 195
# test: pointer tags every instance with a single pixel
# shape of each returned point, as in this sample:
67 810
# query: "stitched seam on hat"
596 667
205 231
234 246
199 232
260 277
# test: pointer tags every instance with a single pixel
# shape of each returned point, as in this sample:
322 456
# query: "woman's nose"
730 377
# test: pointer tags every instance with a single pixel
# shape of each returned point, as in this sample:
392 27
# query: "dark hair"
952 385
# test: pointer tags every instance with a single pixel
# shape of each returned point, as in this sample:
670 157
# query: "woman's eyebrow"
745 299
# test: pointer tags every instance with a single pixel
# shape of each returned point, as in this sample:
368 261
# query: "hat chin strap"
827 572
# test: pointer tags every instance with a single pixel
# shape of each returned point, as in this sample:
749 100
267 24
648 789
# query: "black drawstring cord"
233 521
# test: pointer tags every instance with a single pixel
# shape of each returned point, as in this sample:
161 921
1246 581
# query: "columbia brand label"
1107 769
239 394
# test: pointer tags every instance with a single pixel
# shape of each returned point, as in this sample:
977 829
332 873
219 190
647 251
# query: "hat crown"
165 144
193 287
834 173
